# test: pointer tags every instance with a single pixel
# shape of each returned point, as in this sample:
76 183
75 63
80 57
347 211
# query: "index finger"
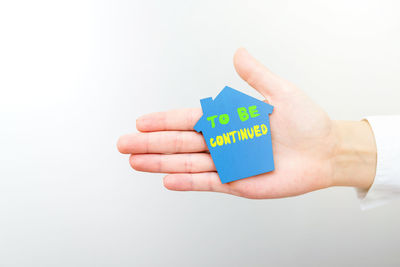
173 120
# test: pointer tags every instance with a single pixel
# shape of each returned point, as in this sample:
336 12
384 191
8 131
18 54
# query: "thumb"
257 75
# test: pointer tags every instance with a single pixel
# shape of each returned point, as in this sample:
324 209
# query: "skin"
311 151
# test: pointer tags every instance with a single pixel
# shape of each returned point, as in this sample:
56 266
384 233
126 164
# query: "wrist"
354 160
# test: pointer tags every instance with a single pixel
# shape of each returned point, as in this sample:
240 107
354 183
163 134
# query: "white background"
74 75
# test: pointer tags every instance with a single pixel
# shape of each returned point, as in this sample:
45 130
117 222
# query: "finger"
206 181
174 163
162 142
257 75
180 120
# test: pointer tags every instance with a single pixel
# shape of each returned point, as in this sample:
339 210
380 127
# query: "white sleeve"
386 185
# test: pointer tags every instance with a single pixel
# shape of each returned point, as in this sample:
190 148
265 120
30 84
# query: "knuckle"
210 183
188 163
159 164
254 77
178 142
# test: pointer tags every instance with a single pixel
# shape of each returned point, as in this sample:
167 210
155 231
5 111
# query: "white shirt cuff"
386 185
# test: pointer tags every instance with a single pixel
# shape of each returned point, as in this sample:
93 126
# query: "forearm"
354 161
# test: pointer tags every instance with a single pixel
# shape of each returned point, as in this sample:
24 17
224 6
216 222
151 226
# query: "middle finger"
162 142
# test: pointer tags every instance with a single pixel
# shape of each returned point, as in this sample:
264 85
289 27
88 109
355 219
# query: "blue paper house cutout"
240 145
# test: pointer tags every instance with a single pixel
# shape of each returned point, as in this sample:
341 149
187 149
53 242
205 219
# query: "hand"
310 150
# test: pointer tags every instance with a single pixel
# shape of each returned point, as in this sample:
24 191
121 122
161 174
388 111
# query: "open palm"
303 139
